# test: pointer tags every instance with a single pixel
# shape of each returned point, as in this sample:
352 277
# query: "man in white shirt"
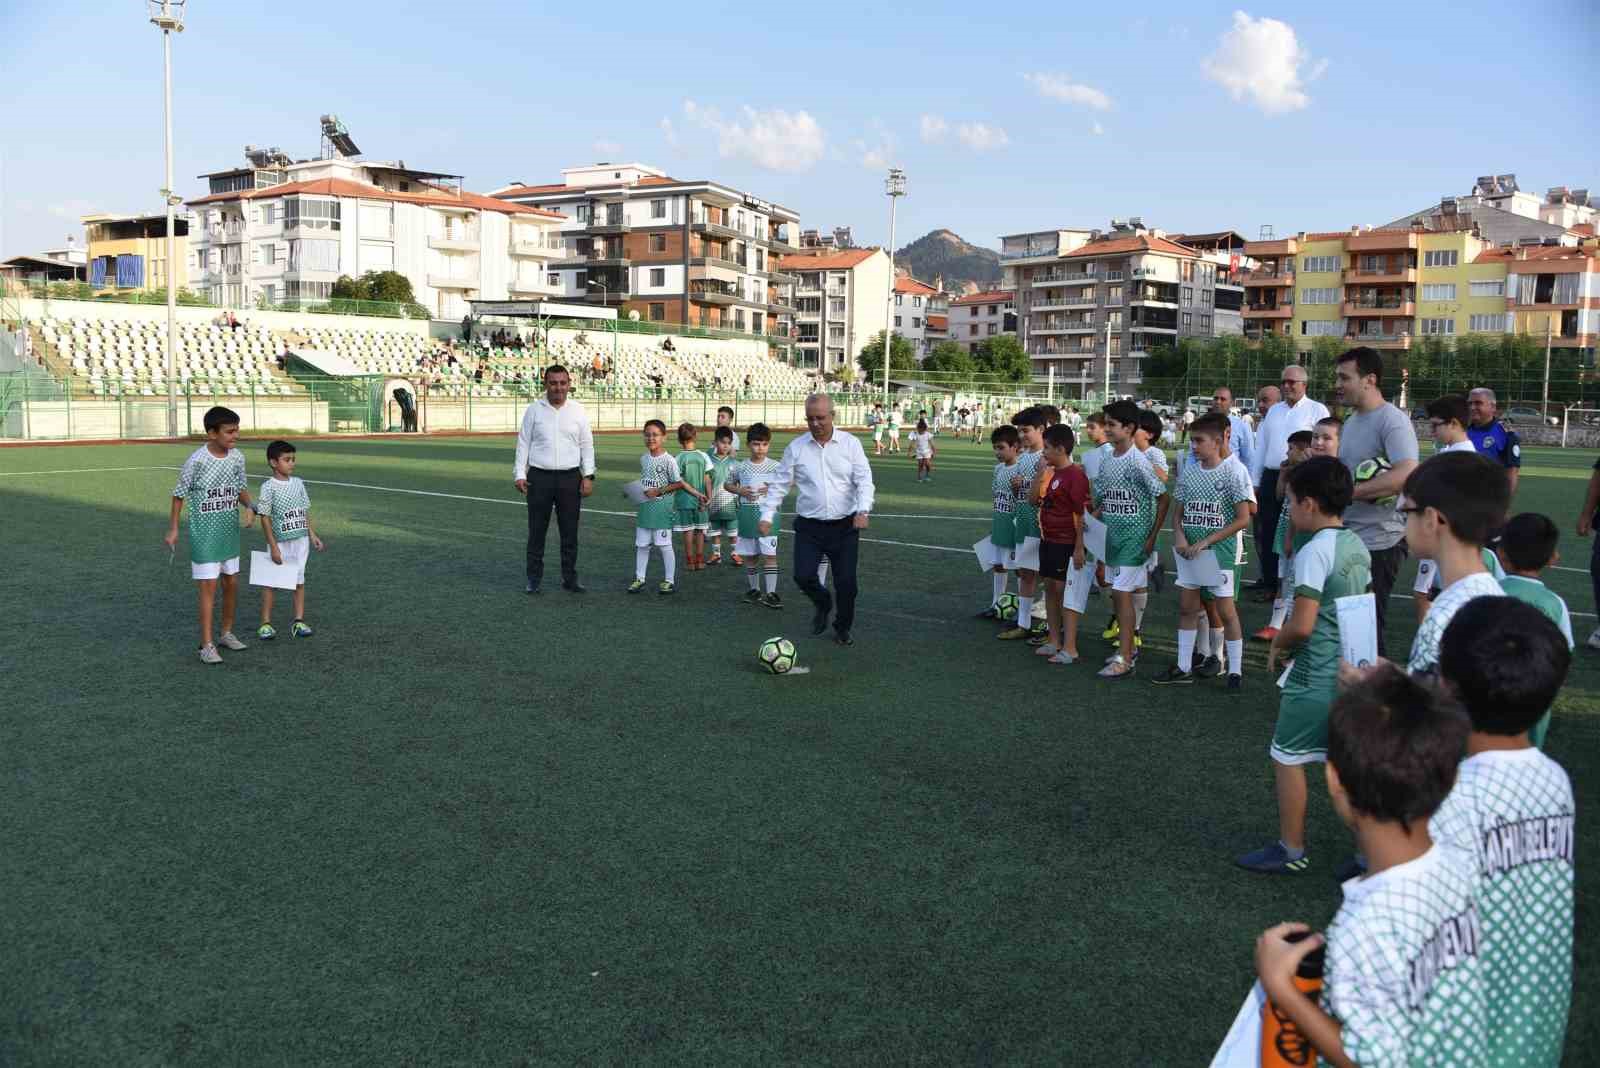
554 469
1294 412
829 470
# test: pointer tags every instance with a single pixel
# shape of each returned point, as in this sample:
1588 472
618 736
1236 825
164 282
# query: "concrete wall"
146 417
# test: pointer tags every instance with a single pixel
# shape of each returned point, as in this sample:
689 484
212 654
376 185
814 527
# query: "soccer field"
461 824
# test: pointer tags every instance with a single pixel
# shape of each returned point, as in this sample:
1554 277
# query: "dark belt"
553 470
828 522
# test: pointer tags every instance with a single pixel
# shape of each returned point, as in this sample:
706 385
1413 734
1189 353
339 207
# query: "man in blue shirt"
1242 442
1492 438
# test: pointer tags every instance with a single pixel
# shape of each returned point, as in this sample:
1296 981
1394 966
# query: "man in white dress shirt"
554 469
1295 411
829 470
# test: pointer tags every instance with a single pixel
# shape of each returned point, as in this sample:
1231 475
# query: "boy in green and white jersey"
1527 545
692 520
1512 810
1128 496
1003 525
1331 564
658 474
212 483
1149 442
1403 980
1030 432
749 482
722 511
285 510
1447 416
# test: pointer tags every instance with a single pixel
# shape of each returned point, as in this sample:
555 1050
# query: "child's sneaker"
738 561
636 585
1273 859
994 613
666 588
228 641
1113 630
209 655
1046 650
1235 683
1013 634
772 600
1063 657
752 597
300 629
1174 676
714 559
1594 639
1038 637
265 632
1116 669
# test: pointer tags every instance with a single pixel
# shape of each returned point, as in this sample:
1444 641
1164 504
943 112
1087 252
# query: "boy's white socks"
1280 609
1024 611
1219 641
770 574
641 560
1140 600
669 560
1202 642
1186 650
1000 580
1236 657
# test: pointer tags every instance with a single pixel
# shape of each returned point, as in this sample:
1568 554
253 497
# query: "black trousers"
1385 568
1267 507
558 490
839 541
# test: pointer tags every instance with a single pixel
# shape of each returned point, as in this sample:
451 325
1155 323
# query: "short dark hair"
1052 414
1326 480
219 417
722 433
1395 742
1529 541
1210 423
1030 416
725 408
1123 411
922 426
556 369
1300 437
1006 434
1060 436
1097 418
277 449
658 424
758 432
1333 421
1450 408
1471 492
686 433
1505 661
1150 423
1368 361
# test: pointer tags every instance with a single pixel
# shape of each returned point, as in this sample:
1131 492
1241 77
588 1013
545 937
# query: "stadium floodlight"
167 16
894 186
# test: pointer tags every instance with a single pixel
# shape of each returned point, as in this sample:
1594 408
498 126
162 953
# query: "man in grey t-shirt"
1375 429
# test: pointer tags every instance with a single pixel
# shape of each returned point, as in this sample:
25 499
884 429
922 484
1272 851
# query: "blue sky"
1194 117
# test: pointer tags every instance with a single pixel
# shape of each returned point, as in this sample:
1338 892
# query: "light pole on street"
167 15
895 188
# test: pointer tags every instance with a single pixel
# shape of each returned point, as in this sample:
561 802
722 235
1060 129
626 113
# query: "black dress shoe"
819 622
574 587
842 637
533 587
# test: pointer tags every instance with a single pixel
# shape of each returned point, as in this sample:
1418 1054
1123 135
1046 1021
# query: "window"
993 329
658 312
1205 324
266 253
993 310
1489 324
1440 258
658 209
973 312
552 279
311 214
658 242
1438 326
972 331
1113 294
1320 296
1322 328
267 214
897 320
1495 288
658 276
1114 318
1188 296
898 297
583 212
1314 264
1188 322
836 308
1439 292
916 323
916 302
1116 345
313 255
836 333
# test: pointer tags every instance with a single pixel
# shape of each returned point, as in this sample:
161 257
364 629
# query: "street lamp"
894 187
167 16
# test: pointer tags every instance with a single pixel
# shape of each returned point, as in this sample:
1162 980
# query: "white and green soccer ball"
1007 605
1370 469
777 655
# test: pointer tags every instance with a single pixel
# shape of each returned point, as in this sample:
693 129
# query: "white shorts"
767 546
644 537
1222 589
679 528
214 568
1075 596
894 432
1152 561
1024 556
877 433
295 554
1128 578
1427 577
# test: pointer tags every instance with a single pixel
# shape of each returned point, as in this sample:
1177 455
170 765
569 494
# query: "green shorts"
1003 531
1301 734
1230 574
689 519
1027 522
723 521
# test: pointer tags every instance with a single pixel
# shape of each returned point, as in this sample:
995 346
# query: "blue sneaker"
266 632
1273 859
300 630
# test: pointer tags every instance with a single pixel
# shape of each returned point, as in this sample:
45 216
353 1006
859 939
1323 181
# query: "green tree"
347 288
389 286
1004 358
949 363
902 358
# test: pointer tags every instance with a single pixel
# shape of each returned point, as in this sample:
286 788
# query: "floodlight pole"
606 300
895 188
167 21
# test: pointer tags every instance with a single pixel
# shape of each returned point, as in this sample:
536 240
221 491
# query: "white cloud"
1060 87
1261 60
873 157
1097 129
669 131
981 137
773 139
934 128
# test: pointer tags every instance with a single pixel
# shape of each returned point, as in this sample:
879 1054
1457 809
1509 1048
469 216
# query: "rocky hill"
942 254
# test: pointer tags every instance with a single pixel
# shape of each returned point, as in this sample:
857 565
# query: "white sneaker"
209 655
1045 650
228 641
1594 639
1061 657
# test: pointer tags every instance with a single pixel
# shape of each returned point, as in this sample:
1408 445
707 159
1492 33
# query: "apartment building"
1504 214
697 253
284 230
1551 291
914 303
977 317
841 301
1093 304
129 252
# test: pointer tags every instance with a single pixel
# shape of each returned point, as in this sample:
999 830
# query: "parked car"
1525 415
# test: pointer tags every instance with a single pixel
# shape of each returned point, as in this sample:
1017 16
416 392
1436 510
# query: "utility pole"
1544 407
1107 398
894 187
167 15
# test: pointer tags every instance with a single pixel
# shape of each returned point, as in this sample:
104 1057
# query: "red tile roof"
993 296
826 261
1140 243
911 285
1507 254
343 187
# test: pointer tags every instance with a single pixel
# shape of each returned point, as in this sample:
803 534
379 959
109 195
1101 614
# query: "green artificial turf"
464 825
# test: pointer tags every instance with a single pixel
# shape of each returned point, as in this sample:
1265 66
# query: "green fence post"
255 414
69 406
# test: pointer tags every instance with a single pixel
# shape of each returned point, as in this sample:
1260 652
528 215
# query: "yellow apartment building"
129 252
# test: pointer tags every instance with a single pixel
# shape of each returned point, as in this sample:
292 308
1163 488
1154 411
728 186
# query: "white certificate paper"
1358 629
1241 1047
1094 537
263 572
987 558
1202 571
634 491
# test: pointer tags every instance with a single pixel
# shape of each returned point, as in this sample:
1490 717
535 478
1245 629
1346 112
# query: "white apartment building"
282 230
914 303
841 302
977 317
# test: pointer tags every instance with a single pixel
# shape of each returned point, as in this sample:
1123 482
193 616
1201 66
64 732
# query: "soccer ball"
1007 605
776 655
1370 469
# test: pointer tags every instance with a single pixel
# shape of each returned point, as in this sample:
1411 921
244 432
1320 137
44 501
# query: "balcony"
602 295
779 277
807 315
1269 311
1267 277
779 240
710 291
1062 278
716 229
782 305
442 281
1070 302
1063 326
547 247
1389 274
1379 241
804 289
611 224
715 261
1382 306
1380 341
454 242
531 287
595 258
